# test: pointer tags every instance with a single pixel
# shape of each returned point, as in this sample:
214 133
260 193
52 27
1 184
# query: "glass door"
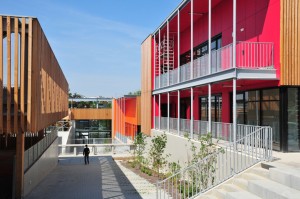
293 120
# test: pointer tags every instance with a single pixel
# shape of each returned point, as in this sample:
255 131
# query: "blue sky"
96 42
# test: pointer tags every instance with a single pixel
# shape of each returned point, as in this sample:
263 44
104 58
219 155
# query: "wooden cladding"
146 89
33 88
290 42
49 87
91 114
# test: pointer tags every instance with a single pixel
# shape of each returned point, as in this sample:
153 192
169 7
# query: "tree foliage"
139 147
156 153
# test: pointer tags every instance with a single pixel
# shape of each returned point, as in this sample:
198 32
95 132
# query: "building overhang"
238 73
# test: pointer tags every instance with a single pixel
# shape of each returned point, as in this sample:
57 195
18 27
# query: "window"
260 107
293 110
216 108
202 49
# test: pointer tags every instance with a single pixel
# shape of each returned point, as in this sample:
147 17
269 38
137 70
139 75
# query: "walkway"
102 178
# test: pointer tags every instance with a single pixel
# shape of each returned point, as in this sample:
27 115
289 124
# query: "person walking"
86 153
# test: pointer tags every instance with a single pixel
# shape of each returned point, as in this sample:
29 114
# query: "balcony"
249 55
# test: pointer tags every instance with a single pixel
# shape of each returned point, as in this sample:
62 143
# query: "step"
241 195
261 172
288 176
242 183
206 197
269 189
251 176
231 188
219 193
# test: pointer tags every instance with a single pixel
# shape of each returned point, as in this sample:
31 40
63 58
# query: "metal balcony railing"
249 55
219 130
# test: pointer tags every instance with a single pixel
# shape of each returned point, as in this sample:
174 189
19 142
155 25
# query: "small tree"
156 153
204 173
139 147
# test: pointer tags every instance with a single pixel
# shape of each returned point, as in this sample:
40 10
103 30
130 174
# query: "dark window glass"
270 94
202 49
240 108
293 119
218 108
204 107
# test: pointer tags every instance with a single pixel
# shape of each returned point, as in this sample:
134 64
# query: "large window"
216 108
260 107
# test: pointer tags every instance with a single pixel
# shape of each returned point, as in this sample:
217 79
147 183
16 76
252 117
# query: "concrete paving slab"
102 178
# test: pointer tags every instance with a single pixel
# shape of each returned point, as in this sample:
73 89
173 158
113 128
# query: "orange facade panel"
146 86
91 114
126 117
290 43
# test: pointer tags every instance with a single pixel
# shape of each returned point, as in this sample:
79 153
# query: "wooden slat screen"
91 114
290 43
33 89
49 87
146 86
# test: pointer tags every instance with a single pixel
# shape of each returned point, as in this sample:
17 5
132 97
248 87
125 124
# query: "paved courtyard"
102 178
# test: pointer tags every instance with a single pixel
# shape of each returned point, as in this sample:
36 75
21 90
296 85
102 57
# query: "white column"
192 39
209 36
178 113
234 108
168 52
168 121
159 110
209 108
192 113
234 35
178 44
209 65
154 110
159 52
234 66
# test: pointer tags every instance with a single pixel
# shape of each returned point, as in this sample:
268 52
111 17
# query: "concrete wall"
178 147
64 135
41 168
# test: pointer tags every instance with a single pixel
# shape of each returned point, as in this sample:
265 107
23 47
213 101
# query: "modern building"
223 64
91 120
126 117
33 96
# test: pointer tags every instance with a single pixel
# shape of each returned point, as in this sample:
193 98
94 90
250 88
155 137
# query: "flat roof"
91 99
6 15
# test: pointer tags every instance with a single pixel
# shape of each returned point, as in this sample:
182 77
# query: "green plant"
186 135
139 148
174 167
204 159
156 153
